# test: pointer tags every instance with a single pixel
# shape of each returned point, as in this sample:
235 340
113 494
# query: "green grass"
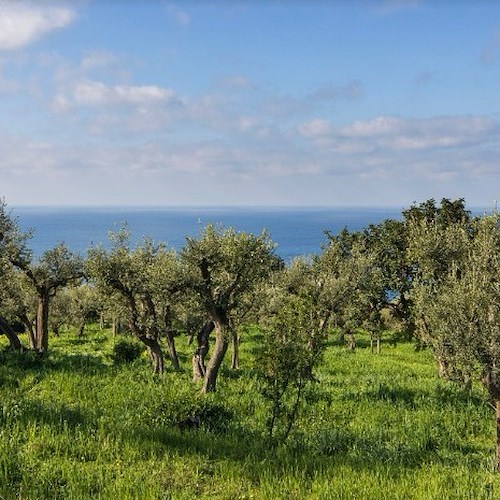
74 426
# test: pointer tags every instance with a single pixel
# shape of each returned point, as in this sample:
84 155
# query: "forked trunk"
221 345
28 325
378 344
149 337
199 368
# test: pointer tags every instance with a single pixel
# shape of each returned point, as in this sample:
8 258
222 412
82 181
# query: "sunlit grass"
74 425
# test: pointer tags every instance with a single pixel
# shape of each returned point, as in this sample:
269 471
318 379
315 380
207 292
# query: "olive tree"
435 251
138 278
461 307
223 265
18 302
349 285
390 241
55 269
80 305
12 248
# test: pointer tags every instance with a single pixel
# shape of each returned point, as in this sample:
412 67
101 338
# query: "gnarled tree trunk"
172 353
15 343
199 369
28 325
221 344
169 334
154 352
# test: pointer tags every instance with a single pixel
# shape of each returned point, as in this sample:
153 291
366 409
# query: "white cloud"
22 23
98 93
380 126
426 133
97 60
380 161
316 128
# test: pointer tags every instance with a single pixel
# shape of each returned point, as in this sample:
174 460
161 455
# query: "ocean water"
296 231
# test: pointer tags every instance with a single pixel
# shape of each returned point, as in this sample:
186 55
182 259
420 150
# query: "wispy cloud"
181 17
396 133
435 132
23 22
99 94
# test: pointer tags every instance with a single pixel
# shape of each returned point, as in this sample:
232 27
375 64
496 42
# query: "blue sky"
128 102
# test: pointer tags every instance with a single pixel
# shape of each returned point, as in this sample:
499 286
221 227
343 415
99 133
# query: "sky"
303 103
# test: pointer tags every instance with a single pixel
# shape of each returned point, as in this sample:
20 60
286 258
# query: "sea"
297 231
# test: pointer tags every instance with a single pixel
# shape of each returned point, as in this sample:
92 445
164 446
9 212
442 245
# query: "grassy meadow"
75 425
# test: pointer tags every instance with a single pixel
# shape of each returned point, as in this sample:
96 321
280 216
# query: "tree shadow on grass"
445 395
53 362
27 411
251 452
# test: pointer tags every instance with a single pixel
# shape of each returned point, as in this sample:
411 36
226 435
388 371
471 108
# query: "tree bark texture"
154 353
351 342
115 327
5 328
497 428
199 368
235 344
172 353
221 345
28 325
42 321
169 334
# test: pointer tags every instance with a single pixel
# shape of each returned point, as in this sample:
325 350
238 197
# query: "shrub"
126 351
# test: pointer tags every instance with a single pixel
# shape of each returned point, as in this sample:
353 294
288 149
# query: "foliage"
292 347
143 280
459 301
75 427
126 350
224 265
459 294
224 268
436 269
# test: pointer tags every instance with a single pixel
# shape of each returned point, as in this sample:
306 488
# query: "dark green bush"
126 351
